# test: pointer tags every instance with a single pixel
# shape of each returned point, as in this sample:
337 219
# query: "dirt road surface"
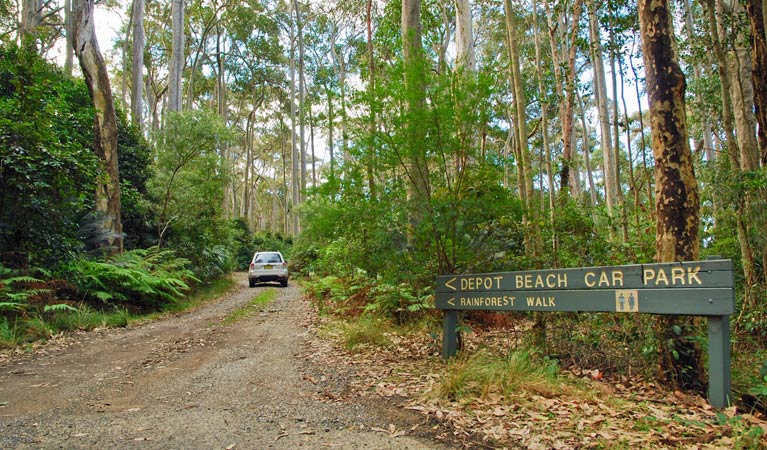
190 381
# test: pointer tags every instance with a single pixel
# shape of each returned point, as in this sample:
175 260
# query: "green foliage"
188 188
87 318
9 335
140 278
399 302
48 170
135 158
745 435
18 292
263 241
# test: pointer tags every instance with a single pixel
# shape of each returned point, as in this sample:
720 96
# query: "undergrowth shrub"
27 293
360 295
611 343
400 302
144 278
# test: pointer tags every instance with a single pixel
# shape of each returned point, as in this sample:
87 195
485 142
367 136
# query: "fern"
144 277
12 306
14 296
58 307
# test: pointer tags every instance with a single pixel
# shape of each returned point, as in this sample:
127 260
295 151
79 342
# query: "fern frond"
59 307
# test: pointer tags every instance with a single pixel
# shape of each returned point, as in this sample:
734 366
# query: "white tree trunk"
69 49
301 100
137 72
105 125
177 57
464 36
600 88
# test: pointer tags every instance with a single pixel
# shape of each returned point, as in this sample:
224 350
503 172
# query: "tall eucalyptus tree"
107 202
677 201
177 57
137 72
417 170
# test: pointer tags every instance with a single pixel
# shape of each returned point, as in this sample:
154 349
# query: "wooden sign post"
696 288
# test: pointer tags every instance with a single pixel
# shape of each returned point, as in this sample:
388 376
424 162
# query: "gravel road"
191 382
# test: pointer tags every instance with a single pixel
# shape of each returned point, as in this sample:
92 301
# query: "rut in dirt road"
189 381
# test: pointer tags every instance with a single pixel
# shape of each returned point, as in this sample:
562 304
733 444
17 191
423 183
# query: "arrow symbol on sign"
447 283
451 302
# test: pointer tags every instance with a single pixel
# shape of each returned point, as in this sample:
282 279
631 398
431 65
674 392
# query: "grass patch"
255 305
482 373
45 324
368 331
86 318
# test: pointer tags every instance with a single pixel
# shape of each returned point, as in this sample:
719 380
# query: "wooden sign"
696 288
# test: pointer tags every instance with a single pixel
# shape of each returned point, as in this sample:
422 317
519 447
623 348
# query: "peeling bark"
759 73
105 124
676 189
677 201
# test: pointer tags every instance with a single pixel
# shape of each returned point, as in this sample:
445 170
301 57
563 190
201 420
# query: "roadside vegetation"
55 274
503 391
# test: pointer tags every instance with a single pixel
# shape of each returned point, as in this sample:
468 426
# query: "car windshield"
268 258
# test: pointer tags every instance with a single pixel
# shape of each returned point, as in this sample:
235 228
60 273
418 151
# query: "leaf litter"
602 412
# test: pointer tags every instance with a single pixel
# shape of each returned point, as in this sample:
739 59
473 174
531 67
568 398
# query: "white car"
268 266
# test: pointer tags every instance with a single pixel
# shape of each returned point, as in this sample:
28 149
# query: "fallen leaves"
625 412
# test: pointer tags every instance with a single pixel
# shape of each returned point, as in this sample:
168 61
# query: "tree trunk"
177 57
677 202
294 155
524 165
545 139
464 36
568 101
600 94
732 150
137 73
739 66
372 125
759 72
587 153
249 138
30 20
331 128
708 139
415 88
756 12
642 139
107 204
69 49
616 142
301 100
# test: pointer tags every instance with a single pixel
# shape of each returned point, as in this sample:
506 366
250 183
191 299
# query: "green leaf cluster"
47 170
188 188
143 278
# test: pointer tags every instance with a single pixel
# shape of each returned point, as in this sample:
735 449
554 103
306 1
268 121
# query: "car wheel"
252 283
284 283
